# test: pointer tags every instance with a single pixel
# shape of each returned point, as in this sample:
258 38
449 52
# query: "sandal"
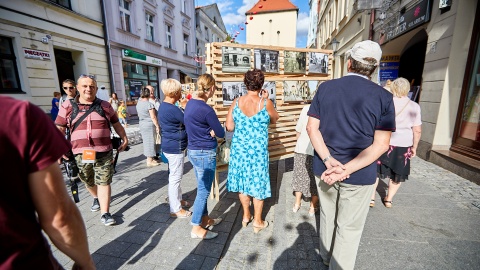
372 203
257 229
388 204
312 211
296 207
179 214
245 223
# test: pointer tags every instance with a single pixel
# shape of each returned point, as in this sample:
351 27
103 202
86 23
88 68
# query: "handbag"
223 152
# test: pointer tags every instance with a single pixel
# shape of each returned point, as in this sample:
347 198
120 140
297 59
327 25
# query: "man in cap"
350 124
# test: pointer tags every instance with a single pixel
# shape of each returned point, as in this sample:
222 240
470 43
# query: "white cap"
364 49
102 86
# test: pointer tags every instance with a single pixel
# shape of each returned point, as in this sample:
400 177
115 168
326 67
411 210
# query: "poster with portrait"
295 62
266 60
297 91
233 90
318 63
236 59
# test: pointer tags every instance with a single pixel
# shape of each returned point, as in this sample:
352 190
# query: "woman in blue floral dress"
248 173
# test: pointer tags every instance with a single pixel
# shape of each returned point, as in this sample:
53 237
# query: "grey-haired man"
350 124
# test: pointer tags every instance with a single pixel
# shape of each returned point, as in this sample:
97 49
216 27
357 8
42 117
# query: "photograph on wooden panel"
232 90
312 89
318 63
298 90
266 60
295 62
271 88
236 59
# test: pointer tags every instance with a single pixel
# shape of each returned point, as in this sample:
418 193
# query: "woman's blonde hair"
171 87
204 83
400 87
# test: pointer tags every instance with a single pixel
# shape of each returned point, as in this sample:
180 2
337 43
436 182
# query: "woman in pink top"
395 163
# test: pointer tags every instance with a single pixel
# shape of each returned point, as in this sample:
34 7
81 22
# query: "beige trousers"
343 211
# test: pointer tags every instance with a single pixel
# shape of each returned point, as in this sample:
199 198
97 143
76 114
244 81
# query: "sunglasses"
70 87
88 76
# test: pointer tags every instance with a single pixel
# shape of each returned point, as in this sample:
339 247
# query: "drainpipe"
371 33
107 48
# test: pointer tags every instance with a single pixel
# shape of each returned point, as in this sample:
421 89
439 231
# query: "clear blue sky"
233 15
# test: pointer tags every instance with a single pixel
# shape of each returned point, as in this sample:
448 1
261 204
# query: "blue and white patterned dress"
248 168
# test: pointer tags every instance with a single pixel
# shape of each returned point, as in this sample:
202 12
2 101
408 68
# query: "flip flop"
372 203
257 229
185 214
245 223
388 204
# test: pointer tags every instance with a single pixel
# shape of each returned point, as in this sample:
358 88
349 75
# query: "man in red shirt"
91 144
32 184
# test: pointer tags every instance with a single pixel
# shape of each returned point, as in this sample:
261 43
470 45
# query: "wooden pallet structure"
282 135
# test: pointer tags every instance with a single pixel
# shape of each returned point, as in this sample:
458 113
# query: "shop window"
125 15
137 76
467 139
63 3
150 28
8 67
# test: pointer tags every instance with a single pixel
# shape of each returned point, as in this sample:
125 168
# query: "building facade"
272 24
209 28
149 41
45 42
435 45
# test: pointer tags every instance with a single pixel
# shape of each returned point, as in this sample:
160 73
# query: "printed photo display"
235 59
266 60
295 62
318 63
232 90
299 90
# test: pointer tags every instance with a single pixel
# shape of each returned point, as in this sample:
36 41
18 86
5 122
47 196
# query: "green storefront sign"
133 55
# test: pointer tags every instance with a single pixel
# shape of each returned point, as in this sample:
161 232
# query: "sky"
233 14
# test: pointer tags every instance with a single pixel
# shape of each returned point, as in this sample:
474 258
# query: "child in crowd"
122 113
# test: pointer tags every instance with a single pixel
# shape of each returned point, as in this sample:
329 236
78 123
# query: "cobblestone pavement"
433 224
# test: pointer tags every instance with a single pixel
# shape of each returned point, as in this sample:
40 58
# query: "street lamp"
334 44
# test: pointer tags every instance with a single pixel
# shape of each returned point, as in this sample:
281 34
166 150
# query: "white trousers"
175 166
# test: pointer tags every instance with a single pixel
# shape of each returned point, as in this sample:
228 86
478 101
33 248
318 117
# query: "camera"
71 169
117 142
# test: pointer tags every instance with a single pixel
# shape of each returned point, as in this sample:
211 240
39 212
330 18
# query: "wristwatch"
327 158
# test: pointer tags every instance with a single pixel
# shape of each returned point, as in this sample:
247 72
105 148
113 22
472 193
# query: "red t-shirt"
93 132
29 142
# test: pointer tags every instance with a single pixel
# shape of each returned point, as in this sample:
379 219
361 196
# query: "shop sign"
411 19
389 65
133 55
34 54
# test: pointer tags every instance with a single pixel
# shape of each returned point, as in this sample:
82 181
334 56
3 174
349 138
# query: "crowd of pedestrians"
344 144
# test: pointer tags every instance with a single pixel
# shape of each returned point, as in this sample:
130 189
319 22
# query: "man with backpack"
89 119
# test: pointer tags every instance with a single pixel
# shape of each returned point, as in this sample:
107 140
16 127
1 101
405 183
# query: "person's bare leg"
245 201
104 194
392 190
257 215
313 205
298 201
92 191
